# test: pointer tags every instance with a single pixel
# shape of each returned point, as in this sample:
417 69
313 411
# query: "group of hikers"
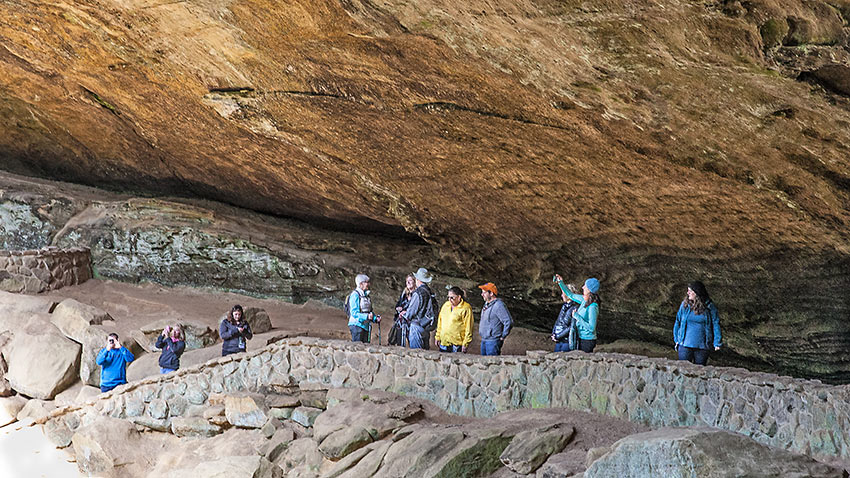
113 359
696 331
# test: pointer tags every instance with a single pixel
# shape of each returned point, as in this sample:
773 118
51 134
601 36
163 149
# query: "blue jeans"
359 334
451 348
562 347
417 337
491 347
697 356
104 389
163 370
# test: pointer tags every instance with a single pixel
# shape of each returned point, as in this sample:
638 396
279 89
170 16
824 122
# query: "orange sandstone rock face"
641 142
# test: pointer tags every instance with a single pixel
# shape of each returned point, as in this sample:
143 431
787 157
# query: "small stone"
306 416
270 427
158 409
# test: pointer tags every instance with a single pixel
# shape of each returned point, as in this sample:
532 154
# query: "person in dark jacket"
113 361
420 314
172 344
234 331
399 321
697 328
564 330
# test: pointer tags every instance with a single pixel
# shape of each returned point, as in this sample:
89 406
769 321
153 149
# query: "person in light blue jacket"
697 328
358 307
587 312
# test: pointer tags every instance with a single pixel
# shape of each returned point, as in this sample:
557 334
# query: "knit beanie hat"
592 285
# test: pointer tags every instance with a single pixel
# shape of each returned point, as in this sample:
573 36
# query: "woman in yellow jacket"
454 325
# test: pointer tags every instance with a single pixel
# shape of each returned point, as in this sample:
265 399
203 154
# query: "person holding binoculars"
113 360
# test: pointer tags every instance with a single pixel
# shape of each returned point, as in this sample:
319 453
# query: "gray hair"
361 278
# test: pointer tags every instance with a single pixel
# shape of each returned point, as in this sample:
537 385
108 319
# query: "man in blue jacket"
113 361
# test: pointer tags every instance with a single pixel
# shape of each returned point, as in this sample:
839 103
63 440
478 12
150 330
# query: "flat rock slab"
193 427
702 452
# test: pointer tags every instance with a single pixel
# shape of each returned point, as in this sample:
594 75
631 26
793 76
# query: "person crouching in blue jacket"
234 331
113 361
697 328
172 343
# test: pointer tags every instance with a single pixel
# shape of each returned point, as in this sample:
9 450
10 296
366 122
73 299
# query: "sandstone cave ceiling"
646 143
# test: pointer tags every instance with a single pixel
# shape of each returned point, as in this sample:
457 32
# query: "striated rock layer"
646 143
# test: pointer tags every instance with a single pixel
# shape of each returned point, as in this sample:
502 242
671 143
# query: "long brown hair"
234 309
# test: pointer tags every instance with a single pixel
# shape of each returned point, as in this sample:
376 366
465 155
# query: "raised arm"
126 354
577 298
103 357
160 341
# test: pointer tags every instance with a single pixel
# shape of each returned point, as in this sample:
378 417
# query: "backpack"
429 320
396 335
365 304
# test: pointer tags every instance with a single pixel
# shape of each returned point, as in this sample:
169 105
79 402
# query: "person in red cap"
496 321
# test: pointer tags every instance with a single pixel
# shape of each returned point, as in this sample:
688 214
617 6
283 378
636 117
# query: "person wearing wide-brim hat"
420 311
587 312
496 322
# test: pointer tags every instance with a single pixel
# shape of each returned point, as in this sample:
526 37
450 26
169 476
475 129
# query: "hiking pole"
379 330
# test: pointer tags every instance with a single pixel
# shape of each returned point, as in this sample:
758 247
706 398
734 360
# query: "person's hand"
109 344
378 319
464 348
716 349
676 347
240 329
554 339
403 313
437 342
558 278
166 331
398 309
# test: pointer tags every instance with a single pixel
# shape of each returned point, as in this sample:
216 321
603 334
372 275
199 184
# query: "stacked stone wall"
40 270
799 415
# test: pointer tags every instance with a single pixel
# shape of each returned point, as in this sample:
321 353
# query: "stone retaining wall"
35 271
799 415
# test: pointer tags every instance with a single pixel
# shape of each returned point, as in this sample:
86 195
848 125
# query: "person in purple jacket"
113 361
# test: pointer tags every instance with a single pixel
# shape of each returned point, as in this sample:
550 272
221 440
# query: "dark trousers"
586 345
451 348
359 334
697 356
562 347
491 347
104 389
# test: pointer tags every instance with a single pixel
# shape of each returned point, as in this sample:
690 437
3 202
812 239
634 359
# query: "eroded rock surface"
646 143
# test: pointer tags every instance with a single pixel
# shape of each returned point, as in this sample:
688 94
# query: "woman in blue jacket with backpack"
697 328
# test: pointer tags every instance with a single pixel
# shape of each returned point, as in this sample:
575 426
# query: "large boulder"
102 446
18 308
74 318
42 361
92 340
197 335
704 452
